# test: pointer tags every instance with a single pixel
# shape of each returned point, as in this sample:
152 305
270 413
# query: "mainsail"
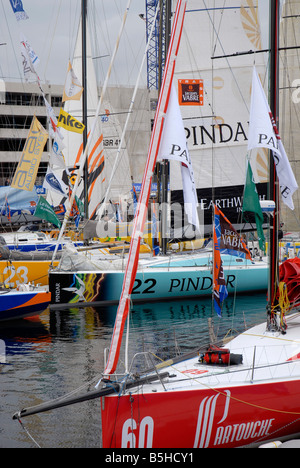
214 97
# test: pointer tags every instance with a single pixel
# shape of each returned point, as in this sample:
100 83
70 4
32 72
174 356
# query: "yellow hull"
18 272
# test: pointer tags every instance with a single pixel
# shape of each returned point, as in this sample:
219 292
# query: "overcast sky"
51 30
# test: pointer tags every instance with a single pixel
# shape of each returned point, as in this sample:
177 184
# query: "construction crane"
159 41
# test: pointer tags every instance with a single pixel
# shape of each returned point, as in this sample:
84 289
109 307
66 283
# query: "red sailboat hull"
212 418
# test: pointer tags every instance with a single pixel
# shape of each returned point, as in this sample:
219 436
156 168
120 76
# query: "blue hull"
19 304
40 247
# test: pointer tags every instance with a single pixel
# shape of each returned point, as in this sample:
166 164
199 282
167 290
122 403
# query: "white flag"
174 146
52 119
263 133
54 130
53 182
56 155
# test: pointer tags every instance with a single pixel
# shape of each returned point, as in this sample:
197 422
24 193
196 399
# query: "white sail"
121 185
214 97
104 144
74 142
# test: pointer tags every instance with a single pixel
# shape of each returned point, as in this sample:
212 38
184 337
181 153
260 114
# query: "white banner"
263 133
174 146
56 155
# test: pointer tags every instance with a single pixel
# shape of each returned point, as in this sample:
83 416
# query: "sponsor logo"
190 92
53 182
68 122
208 435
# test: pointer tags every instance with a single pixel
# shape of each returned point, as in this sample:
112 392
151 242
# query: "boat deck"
266 356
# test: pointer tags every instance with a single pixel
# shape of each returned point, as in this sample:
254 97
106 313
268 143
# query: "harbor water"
62 351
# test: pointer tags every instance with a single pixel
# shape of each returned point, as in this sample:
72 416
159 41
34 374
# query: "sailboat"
28 265
24 301
25 254
177 274
244 392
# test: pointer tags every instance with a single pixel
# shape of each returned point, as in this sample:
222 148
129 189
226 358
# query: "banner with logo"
53 182
29 60
56 155
68 122
45 211
52 119
190 92
18 10
174 146
26 171
219 283
263 133
229 241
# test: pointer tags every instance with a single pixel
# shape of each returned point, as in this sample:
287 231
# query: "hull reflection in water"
70 338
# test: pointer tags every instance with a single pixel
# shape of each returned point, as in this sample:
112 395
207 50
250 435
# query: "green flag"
80 206
45 211
251 203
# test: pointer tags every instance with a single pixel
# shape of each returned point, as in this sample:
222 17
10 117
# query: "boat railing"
149 355
128 375
259 364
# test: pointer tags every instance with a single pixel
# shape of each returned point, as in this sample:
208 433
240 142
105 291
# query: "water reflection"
64 350
172 327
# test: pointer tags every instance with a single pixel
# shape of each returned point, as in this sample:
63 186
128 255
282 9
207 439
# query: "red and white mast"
142 208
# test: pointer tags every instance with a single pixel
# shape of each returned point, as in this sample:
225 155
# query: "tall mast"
84 101
274 86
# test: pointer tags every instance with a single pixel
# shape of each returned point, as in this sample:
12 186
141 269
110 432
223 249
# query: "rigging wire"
210 101
46 41
223 50
289 108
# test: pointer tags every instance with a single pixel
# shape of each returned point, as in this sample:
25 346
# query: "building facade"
19 102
